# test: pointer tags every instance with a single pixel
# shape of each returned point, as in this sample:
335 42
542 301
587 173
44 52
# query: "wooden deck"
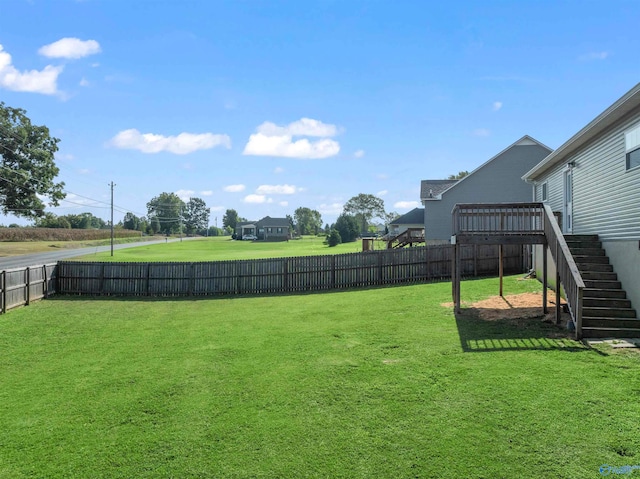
518 223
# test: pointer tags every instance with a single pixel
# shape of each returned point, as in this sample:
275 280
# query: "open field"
14 248
375 383
224 248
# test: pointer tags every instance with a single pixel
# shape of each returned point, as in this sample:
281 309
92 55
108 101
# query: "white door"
567 223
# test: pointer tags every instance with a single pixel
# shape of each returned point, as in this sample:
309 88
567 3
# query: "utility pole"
112 185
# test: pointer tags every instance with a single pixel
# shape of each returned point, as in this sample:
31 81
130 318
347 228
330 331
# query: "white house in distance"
593 181
498 180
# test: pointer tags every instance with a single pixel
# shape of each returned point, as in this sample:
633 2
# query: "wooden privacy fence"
20 286
284 275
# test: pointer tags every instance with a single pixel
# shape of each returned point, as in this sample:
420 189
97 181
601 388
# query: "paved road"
36 259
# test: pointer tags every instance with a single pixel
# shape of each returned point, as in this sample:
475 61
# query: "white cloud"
184 195
278 170
302 127
359 154
182 144
34 81
70 48
382 193
217 208
284 203
382 176
496 105
594 56
481 132
234 188
206 193
255 199
273 140
276 190
331 208
84 82
84 171
406 204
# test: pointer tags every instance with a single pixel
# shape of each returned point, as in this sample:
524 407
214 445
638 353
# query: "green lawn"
382 383
223 248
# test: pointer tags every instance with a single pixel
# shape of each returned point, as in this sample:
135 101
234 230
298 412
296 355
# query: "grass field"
369 383
223 248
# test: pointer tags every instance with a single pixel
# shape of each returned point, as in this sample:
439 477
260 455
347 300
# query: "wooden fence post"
45 286
27 292
4 291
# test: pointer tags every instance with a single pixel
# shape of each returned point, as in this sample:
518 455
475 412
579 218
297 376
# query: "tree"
27 167
459 176
196 215
367 206
49 220
131 222
230 219
347 226
154 225
307 220
167 208
333 239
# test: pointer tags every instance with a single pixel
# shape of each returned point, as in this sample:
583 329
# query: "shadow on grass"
516 329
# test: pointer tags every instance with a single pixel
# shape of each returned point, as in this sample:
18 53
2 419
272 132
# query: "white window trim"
635 129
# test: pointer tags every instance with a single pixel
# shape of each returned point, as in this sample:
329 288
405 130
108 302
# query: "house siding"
606 197
606 200
498 181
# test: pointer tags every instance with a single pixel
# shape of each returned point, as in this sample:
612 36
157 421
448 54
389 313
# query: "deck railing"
566 270
498 218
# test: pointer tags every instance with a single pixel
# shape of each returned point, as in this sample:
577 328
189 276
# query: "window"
279 230
544 192
632 147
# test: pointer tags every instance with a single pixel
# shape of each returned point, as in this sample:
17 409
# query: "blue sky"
268 106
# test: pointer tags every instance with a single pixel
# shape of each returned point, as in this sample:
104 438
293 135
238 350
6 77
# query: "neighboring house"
269 229
593 182
499 180
273 229
412 219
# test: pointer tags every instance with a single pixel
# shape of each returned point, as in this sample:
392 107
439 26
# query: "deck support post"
557 289
545 250
500 268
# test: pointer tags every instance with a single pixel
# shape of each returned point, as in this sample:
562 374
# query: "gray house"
592 183
268 229
499 180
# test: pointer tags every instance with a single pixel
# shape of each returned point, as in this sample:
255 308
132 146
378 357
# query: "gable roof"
623 106
273 222
526 140
432 189
415 216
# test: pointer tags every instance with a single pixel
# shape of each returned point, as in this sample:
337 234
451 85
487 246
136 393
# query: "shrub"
334 238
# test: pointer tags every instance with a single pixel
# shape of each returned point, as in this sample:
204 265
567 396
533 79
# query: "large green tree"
167 208
27 166
230 219
366 207
308 221
347 227
196 215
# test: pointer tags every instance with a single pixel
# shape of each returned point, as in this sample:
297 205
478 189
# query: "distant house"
592 182
499 180
273 229
412 219
268 229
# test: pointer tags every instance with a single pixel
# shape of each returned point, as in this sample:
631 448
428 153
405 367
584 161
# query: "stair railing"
567 270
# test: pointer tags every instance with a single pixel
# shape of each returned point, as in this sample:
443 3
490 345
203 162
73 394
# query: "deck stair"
407 238
606 311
